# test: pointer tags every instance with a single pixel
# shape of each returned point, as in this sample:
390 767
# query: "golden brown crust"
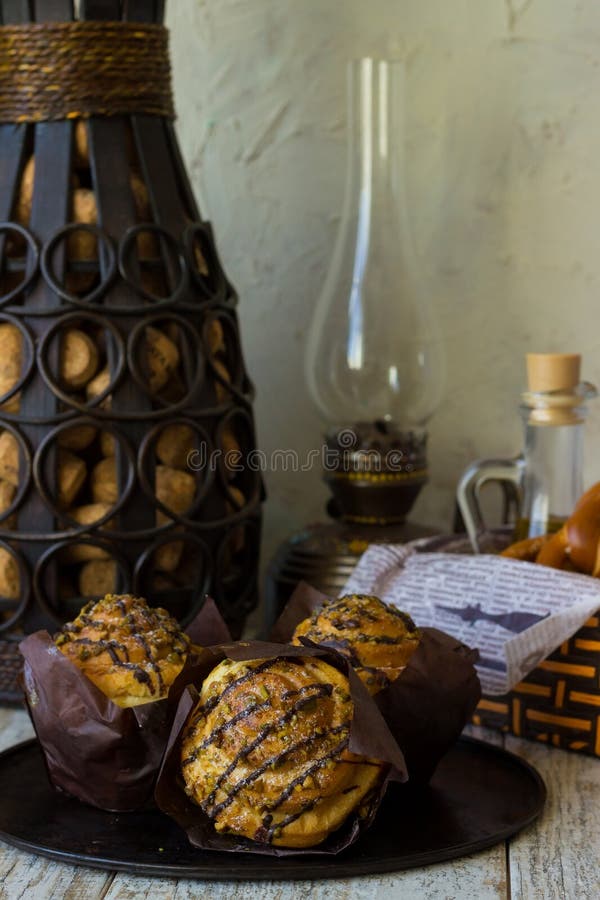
265 754
377 638
554 552
526 550
130 651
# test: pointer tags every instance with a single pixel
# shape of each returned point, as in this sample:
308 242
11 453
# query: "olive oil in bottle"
525 528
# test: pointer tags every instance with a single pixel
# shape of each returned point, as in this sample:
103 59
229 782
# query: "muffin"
265 753
129 650
377 638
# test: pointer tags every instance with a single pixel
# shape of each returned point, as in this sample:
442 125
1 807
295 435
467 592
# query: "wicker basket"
559 701
102 238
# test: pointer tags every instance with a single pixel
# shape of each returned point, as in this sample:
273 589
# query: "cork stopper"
553 371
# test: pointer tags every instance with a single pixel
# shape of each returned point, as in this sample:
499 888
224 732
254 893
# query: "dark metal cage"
129 470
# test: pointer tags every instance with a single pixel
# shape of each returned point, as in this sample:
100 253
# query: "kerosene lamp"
374 360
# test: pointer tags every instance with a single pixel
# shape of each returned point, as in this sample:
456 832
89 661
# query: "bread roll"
23 209
526 550
176 490
9 458
81 156
166 557
25 196
160 358
11 364
97 386
377 638
131 652
88 514
140 198
200 261
108 443
78 437
174 445
174 389
7 495
573 548
265 751
103 480
147 244
72 473
10 581
97 577
215 336
83 244
78 358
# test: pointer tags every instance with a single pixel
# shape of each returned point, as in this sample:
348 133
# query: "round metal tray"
480 795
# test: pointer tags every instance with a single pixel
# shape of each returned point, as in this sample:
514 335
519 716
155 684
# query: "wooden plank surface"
557 858
472 878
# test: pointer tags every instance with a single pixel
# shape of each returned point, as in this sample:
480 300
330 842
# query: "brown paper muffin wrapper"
369 736
428 705
93 749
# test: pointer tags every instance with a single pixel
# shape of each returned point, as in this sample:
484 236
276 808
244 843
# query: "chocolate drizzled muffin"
377 638
265 751
130 651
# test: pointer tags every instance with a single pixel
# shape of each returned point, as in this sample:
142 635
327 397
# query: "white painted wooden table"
557 858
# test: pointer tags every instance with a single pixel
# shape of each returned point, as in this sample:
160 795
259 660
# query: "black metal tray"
479 796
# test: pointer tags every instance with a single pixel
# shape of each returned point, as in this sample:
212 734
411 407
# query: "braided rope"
67 70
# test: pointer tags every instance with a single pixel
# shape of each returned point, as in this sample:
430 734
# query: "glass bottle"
548 474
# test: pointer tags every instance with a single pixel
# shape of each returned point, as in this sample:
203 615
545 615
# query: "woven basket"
559 701
101 236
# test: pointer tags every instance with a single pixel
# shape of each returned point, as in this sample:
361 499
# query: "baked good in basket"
129 650
379 639
265 753
575 547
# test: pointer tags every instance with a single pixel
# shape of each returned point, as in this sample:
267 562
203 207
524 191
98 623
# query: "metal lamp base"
375 472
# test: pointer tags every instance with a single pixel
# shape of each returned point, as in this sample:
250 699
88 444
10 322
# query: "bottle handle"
472 480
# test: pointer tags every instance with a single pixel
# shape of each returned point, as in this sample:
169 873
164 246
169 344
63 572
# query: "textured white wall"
503 147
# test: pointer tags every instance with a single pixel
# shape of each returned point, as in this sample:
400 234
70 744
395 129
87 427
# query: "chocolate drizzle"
272 762
357 626
278 828
110 647
321 742
314 767
268 729
210 704
133 621
320 690
226 726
